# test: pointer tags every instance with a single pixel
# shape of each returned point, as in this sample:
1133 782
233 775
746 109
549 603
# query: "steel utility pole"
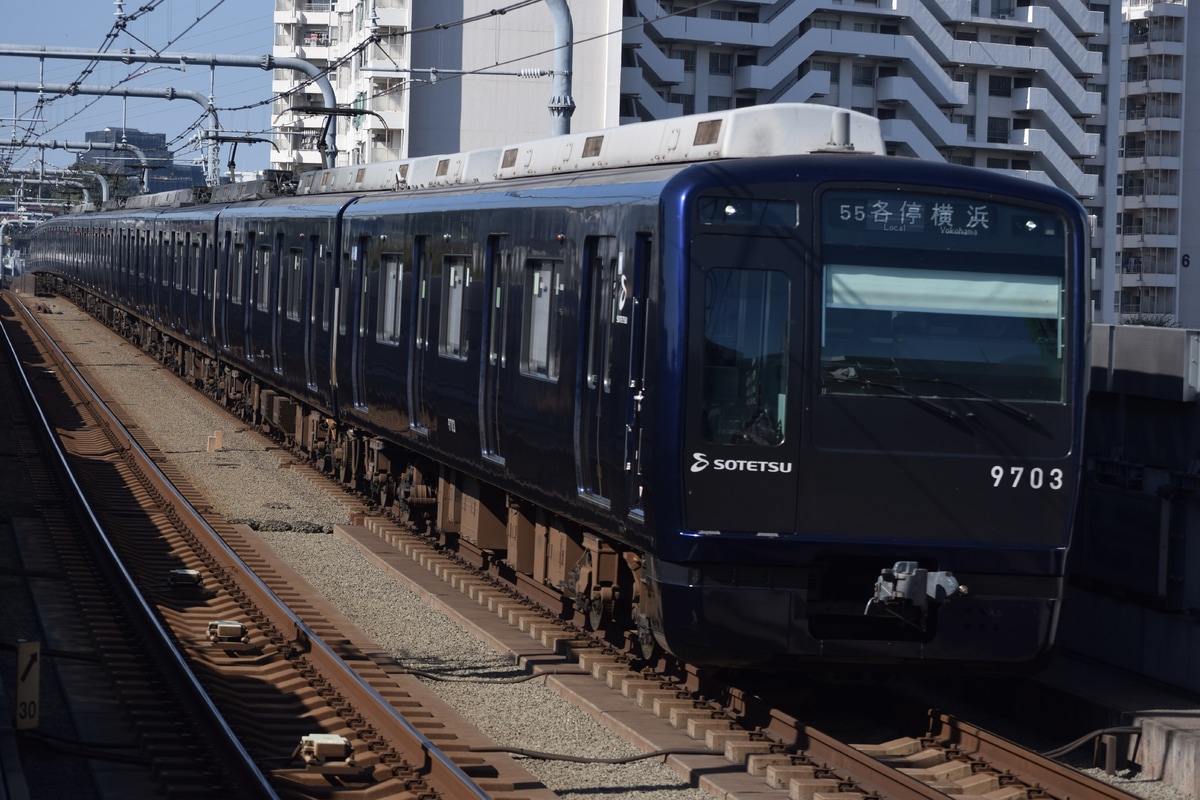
562 105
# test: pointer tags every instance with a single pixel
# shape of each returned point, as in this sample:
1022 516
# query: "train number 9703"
1022 478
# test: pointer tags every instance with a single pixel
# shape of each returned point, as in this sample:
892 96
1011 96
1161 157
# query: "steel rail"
254 780
1052 778
444 774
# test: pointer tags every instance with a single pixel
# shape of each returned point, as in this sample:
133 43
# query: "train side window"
320 296
456 274
295 285
182 251
199 250
343 294
541 327
238 274
390 292
164 254
262 278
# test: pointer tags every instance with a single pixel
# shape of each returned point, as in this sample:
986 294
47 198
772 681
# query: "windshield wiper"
1003 405
849 375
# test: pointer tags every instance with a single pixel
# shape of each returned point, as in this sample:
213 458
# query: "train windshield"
940 296
745 356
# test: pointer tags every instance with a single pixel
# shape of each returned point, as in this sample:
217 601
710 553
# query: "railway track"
295 705
718 729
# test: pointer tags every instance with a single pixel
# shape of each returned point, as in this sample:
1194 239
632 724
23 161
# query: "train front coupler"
906 590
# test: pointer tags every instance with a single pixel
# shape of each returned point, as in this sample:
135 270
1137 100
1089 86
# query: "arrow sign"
33 660
28 706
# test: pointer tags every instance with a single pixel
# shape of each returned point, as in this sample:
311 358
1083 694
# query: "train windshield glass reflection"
941 296
745 356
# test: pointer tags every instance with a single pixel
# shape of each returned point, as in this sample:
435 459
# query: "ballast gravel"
245 483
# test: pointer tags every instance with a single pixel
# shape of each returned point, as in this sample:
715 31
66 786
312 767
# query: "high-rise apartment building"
1087 96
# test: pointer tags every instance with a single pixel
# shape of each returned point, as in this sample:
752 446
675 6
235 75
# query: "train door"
215 287
362 322
278 298
495 326
235 296
601 422
420 336
742 420
642 254
196 287
258 302
318 351
183 249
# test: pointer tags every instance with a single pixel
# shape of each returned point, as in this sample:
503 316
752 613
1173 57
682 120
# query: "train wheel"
600 608
646 641
387 495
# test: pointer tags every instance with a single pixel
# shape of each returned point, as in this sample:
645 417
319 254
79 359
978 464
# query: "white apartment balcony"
928 72
909 138
1144 199
1136 241
1136 280
1171 8
392 17
1046 109
1136 88
1061 39
1075 15
634 84
925 115
1143 162
316 53
662 69
812 86
1035 175
943 11
1154 48
1056 76
1152 121
703 30
1046 152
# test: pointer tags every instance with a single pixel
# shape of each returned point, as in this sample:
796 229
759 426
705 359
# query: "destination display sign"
912 214
913 219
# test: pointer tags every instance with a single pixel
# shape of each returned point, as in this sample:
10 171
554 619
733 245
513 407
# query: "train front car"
880 366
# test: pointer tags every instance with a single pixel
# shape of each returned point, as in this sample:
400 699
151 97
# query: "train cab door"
743 399
419 340
495 327
601 422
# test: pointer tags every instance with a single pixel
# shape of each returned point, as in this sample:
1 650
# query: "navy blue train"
738 383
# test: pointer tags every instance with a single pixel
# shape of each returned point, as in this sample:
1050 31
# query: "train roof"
757 131
777 129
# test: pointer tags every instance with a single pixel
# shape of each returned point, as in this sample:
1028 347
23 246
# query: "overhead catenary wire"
188 135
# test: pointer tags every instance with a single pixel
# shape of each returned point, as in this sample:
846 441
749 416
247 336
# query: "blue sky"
236 27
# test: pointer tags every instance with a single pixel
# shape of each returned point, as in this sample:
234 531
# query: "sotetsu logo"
702 462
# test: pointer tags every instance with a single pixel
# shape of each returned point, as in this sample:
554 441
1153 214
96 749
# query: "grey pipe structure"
265 62
64 176
562 105
31 180
73 147
211 175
